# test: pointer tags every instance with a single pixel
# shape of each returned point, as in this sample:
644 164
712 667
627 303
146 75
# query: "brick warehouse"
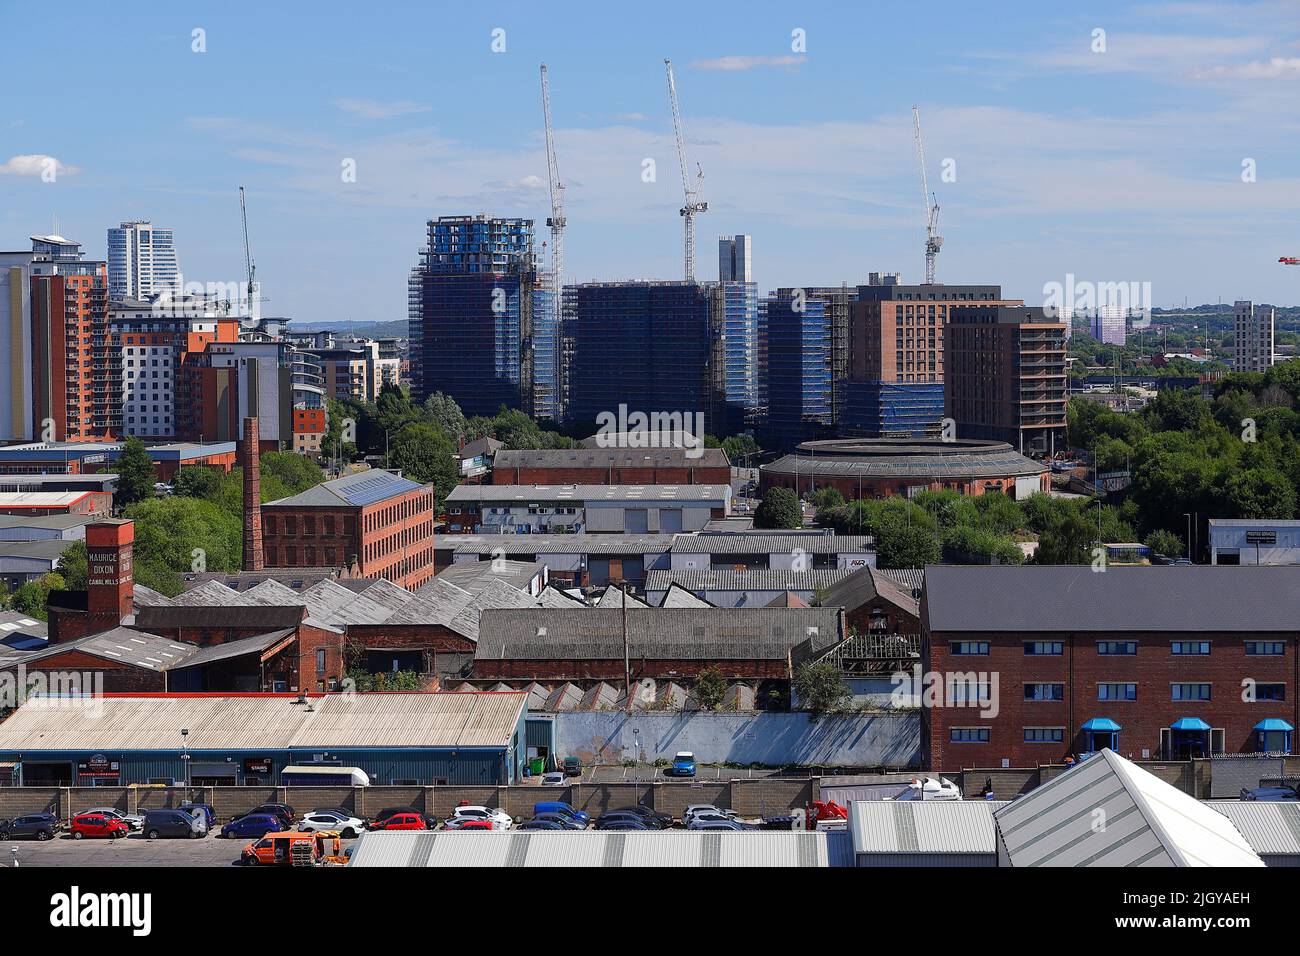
612 466
1152 662
375 522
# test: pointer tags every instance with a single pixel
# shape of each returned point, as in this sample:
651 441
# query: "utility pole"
627 655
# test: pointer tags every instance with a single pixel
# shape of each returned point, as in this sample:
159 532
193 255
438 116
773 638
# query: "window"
1044 735
1189 648
1265 648
320 660
968 735
1044 692
1117 648
968 648
1191 692
1117 691
1041 648
1270 692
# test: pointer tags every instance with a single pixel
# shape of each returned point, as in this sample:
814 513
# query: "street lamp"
1188 516
185 758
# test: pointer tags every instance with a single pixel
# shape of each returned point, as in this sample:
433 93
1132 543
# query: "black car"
567 823
647 815
541 825
281 811
37 826
623 820
387 812
187 824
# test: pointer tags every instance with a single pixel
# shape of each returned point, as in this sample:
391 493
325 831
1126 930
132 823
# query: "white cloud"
35 164
733 64
374 109
1277 68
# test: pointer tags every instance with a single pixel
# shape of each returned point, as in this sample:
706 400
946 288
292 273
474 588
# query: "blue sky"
1122 165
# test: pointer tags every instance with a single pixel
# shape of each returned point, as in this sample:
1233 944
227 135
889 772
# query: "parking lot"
135 850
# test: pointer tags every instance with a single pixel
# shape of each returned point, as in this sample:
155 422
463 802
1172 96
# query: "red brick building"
612 466
1030 664
375 522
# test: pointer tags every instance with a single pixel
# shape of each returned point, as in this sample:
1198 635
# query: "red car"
401 821
468 825
98 825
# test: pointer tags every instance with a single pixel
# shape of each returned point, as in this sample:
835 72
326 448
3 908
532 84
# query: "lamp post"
1188 516
185 758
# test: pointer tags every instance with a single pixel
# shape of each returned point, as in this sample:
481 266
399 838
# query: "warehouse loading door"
670 520
637 520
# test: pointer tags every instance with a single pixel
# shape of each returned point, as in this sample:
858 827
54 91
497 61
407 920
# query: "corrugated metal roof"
923 826
473 576
270 722
357 490
1074 598
759 580
678 596
865 584
925 465
594 848
1107 811
514 494
610 457
1271 828
535 544
772 543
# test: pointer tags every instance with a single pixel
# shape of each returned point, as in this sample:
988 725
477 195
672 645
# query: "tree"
904 545
820 688
1260 493
74 565
740 448
423 453
295 472
197 481
32 597
710 688
779 509
1165 543
442 411
175 536
135 473
1069 540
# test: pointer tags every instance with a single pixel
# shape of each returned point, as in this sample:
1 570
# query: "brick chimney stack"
111 580
254 559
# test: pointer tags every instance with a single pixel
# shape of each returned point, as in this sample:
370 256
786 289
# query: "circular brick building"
881 467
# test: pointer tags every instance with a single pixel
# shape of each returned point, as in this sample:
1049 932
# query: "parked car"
133 820
252 825
496 816
542 825
706 811
209 814
649 815
572 767
35 826
99 825
555 778
281 810
279 849
563 809
402 821
1270 794
615 819
468 823
718 823
348 826
387 812
569 823
683 765
174 823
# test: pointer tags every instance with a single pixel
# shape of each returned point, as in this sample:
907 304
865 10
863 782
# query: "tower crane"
556 221
1289 260
933 241
248 259
694 201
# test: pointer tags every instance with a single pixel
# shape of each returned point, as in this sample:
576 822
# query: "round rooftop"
906 457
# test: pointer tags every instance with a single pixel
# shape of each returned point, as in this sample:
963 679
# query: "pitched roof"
257 644
683 633
122 644
864 585
589 494
534 544
611 457
678 596
1205 598
1144 821
356 490
165 617
891 827
473 576
757 580
772 543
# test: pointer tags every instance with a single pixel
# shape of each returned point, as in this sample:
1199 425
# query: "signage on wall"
98 766
257 766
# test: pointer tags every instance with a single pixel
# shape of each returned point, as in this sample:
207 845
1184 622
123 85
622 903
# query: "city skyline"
1122 165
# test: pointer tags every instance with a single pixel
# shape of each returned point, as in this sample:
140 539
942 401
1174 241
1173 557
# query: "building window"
1191 648
1191 692
968 735
320 660
1270 692
1117 691
968 648
1044 692
1044 648
1044 735
1117 648
1265 648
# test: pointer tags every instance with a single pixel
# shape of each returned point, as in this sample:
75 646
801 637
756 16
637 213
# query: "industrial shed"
1271 828
396 738
595 848
918 833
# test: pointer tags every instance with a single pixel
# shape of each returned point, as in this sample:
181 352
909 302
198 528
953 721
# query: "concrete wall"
771 739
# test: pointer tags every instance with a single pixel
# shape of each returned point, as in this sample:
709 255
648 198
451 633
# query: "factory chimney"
254 560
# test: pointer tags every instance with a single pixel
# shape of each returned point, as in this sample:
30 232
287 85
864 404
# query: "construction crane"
556 221
248 259
694 203
1289 260
933 241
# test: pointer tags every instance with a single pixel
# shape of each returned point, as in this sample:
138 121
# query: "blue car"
254 826
209 815
683 765
563 809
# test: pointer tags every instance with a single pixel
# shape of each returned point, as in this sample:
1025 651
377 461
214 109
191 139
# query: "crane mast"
248 258
693 198
933 241
556 220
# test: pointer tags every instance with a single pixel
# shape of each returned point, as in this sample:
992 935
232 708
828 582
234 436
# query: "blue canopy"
1274 724
1102 725
1190 723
